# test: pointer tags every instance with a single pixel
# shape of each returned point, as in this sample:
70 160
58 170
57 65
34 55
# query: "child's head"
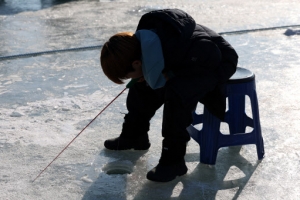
118 54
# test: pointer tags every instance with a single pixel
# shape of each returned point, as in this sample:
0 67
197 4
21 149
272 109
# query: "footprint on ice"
49 120
16 114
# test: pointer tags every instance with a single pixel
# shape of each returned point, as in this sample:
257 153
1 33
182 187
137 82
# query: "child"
179 63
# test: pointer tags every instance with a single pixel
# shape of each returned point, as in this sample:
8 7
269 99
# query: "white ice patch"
75 86
86 179
54 121
3 90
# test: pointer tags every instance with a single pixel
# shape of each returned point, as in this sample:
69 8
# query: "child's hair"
117 56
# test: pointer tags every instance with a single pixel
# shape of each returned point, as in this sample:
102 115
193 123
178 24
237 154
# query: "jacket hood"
152 58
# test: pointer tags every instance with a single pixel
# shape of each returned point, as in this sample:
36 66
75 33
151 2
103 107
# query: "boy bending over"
178 63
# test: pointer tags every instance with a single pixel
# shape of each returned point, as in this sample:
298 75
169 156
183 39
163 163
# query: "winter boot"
171 163
121 143
166 173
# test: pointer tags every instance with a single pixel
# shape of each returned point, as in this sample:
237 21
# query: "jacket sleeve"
208 55
229 57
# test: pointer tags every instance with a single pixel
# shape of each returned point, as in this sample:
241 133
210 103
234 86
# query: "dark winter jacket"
201 60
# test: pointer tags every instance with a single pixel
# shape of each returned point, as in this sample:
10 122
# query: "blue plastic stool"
211 139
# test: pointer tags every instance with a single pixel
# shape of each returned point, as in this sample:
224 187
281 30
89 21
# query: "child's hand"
166 76
141 79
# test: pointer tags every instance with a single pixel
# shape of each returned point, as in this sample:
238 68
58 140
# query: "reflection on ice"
16 6
144 9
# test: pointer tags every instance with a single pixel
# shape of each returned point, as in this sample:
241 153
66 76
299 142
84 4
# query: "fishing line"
129 85
81 132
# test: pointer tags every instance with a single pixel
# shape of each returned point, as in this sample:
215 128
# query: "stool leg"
209 138
237 116
258 136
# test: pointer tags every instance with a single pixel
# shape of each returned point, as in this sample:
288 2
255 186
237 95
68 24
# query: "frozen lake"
46 100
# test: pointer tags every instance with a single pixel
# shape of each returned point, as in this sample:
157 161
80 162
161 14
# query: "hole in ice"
118 168
118 171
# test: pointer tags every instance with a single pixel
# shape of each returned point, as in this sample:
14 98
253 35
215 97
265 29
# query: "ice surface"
46 100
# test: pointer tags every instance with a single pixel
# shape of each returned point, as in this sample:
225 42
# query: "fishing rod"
129 85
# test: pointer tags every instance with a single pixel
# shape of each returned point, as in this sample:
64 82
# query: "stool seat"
241 75
210 138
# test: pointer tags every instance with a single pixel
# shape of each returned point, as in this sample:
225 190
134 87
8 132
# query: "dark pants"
142 103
